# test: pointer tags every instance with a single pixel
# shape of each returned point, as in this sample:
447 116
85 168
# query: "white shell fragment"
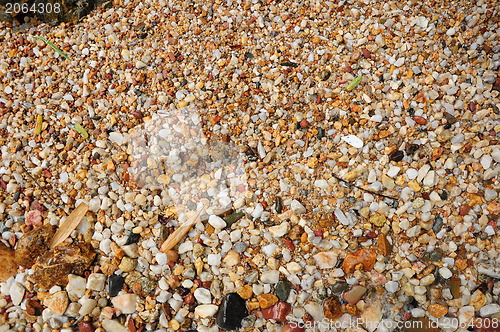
353 140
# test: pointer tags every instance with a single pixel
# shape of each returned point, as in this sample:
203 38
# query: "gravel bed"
357 142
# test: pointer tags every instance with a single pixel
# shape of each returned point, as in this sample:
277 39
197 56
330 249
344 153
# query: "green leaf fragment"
81 130
354 83
38 125
54 47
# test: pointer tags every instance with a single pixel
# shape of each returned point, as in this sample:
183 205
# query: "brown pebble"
367 54
304 123
420 120
267 300
384 247
85 327
137 114
437 310
463 210
332 308
365 257
172 255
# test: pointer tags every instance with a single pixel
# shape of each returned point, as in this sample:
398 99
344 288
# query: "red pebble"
278 312
34 218
304 123
367 54
85 327
463 210
289 244
318 233
420 120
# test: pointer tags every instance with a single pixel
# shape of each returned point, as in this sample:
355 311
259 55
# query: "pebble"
203 295
96 281
57 302
279 230
437 310
267 300
392 286
126 303
365 257
206 310
278 312
16 293
353 141
331 308
427 113
270 277
217 222
297 207
489 309
76 286
232 258
231 311
326 259
115 284
355 294
445 273
127 264
113 326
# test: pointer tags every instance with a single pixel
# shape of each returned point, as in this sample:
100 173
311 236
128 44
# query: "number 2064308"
25 8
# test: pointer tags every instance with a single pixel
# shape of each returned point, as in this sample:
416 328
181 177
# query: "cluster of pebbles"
370 207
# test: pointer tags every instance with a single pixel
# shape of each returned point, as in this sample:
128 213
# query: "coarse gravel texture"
270 79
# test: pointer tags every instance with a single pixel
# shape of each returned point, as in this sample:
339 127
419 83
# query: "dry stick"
350 184
69 225
180 232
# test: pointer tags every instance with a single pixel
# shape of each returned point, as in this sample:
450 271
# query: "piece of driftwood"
180 232
69 225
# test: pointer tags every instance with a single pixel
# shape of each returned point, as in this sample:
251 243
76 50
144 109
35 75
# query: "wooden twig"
350 184
69 225
180 232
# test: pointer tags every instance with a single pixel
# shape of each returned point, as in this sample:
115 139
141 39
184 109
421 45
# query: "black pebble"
321 133
278 205
231 312
115 284
397 155
132 238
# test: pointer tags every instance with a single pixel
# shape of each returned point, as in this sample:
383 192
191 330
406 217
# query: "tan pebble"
413 185
351 176
378 220
461 264
253 304
478 300
267 300
493 208
437 310
245 291
57 302
312 162
232 258
127 264
384 247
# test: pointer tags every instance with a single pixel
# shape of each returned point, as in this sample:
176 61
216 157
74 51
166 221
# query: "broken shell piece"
353 140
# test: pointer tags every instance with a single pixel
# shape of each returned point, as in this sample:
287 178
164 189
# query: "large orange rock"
7 262
366 257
